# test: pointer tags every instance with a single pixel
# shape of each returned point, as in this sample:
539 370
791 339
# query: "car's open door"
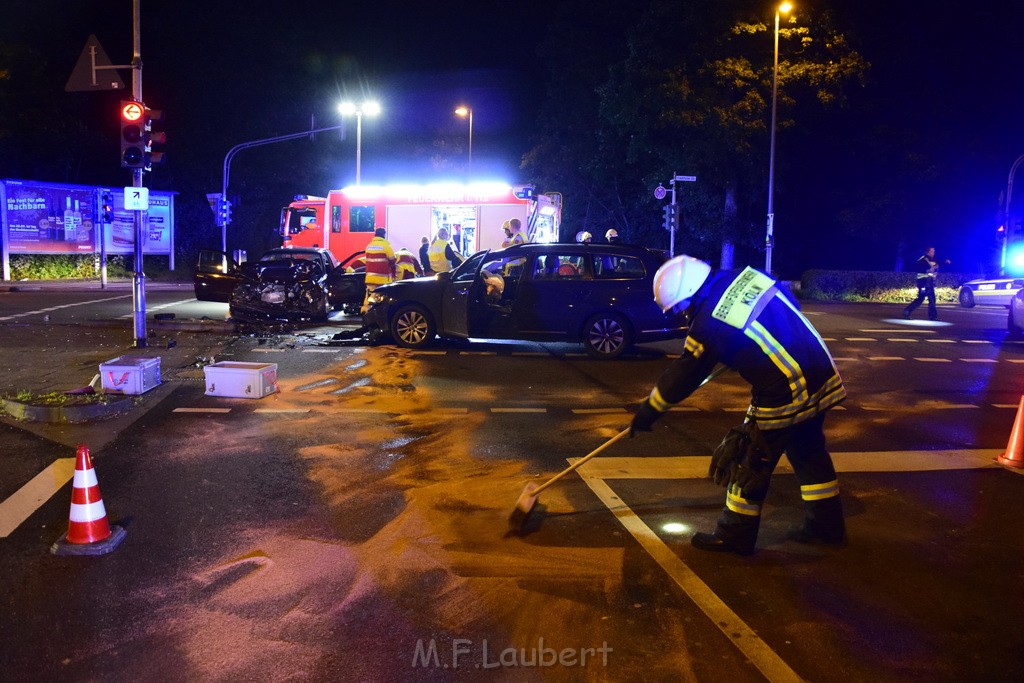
216 275
457 297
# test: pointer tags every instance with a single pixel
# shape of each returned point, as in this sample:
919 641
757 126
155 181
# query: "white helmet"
611 233
678 280
584 236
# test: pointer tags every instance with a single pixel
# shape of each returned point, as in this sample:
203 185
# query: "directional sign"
136 198
686 178
85 75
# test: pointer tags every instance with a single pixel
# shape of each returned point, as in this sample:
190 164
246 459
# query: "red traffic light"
132 111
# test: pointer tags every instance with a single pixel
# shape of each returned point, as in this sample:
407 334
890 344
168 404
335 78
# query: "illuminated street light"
464 112
784 8
370 108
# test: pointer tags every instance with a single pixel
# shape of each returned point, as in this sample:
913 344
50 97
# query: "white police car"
1015 319
996 291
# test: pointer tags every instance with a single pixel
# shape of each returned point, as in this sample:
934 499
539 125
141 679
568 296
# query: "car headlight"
376 298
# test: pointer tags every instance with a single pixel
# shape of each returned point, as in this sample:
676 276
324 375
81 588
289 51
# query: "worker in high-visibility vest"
442 257
513 228
406 265
380 264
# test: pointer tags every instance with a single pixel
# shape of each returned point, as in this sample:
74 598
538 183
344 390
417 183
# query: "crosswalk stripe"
201 410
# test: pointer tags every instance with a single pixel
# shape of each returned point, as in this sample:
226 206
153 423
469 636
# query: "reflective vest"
439 262
743 320
406 265
516 238
380 262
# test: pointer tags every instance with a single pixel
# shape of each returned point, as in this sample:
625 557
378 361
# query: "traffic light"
152 137
223 211
671 212
107 212
133 152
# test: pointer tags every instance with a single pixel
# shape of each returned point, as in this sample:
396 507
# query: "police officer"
745 321
380 264
927 269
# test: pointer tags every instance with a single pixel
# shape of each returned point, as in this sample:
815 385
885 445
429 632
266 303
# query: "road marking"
975 341
529 353
979 360
941 341
847 360
268 350
57 308
314 385
478 353
201 410
913 341
768 662
886 358
1016 360
321 350
430 353
286 411
1004 405
37 491
735 629
519 410
157 308
897 329
934 360
596 411
865 339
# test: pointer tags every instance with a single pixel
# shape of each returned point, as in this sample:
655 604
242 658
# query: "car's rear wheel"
607 335
966 298
412 327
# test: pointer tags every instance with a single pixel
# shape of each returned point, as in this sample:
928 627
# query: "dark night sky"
948 70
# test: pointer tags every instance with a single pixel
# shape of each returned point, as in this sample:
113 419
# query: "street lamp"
769 239
370 108
464 112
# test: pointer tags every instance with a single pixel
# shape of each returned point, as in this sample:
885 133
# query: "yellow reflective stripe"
833 383
740 505
693 347
830 489
810 328
658 402
786 364
805 412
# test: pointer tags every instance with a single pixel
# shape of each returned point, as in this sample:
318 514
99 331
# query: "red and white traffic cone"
88 530
1014 455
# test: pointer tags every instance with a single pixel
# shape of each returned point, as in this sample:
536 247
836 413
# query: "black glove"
644 418
728 455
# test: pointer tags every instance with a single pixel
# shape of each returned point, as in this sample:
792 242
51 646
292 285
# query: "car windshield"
282 255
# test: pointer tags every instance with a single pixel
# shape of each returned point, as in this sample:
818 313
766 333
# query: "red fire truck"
344 220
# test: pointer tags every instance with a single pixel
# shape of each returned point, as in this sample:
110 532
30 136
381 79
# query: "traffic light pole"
257 143
139 278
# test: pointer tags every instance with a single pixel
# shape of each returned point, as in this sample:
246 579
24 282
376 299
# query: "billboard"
42 218
157 237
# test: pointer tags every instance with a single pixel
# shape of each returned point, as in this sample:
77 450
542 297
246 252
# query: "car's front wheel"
412 327
607 335
1015 319
966 298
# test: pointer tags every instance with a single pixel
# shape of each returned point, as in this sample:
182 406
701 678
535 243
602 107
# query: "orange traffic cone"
1014 455
88 531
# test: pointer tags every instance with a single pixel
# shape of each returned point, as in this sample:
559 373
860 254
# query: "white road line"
321 350
847 360
314 385
975 341
285 411
934 360
863 339
478 353
886 358
1004 405
597 411
734 628
1015 360
529 353
268 350
57 308
900 330
201 410
430 353
37 491
157 308
519 410
941 341
979 360
913 341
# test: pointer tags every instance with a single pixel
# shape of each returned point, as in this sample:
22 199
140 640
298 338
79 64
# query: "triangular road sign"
82 76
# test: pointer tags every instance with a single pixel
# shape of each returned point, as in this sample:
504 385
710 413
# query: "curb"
66 413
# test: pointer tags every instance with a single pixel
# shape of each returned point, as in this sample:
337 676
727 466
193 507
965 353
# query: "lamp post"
370 108
769 239
464 112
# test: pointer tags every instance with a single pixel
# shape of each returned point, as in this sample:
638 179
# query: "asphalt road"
353 526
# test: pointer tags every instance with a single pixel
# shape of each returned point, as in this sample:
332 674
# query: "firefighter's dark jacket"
744 320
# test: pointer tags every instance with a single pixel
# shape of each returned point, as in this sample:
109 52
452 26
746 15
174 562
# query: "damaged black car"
286 284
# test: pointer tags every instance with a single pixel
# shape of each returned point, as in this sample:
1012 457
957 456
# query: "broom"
528 498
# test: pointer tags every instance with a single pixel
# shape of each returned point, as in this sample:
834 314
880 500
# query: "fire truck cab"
344 220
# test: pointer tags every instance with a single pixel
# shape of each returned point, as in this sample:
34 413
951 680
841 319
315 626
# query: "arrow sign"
136 198
85 77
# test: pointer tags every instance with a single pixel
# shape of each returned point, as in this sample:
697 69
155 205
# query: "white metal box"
240 380
130 374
